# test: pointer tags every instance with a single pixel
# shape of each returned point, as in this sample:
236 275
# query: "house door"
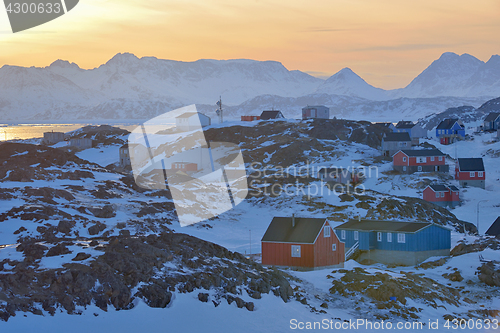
436 168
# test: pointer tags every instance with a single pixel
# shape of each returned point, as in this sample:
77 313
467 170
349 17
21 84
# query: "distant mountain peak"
122 59
64 64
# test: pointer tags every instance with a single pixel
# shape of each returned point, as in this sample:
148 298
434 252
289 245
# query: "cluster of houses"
51 138
312 243
308 112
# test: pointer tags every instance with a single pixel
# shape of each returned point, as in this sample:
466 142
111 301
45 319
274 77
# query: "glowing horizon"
387 43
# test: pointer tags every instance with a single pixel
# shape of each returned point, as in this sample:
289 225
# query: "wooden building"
449 131
424 160
442 195
273 114
303 243
470 172
393 142
395 242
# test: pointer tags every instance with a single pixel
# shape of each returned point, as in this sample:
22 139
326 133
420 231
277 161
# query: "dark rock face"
489 273
109 279
96 228
58 250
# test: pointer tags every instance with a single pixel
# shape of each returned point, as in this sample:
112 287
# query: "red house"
425 160
442 195
305 243
470 172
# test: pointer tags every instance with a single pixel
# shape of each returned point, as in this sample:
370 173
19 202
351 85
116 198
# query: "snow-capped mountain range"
128 87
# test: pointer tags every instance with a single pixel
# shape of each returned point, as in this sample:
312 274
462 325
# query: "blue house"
492 121
414 130
450 130
394 242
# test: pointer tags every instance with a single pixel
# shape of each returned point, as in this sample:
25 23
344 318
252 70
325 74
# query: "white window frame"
404 158
432 158
419 168
472 174
296 251
334 247
421 159
389 237
356 235
326 231
379 236
480 174
442 194
440 158
342 234
437 194
401 238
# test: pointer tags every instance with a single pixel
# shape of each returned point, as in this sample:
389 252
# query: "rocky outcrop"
162 265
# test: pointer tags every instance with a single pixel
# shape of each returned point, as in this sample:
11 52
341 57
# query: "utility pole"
250 230
477 220
219 110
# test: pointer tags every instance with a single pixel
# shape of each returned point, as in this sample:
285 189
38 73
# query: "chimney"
293 220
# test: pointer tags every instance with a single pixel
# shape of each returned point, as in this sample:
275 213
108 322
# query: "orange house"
305 243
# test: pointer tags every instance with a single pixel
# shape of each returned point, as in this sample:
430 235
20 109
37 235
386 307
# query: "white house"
190 121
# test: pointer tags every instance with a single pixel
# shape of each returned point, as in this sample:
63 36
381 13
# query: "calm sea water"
30 131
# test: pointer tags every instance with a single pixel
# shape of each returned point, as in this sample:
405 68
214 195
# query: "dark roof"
405 124
470 164
305 231
422 152
492 116
404 136
494 229
439 188
275 114
391 226
447 124
453 188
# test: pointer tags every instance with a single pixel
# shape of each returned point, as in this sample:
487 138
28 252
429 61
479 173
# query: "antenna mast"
219 110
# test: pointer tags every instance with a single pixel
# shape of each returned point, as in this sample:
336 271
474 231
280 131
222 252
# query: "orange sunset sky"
387 42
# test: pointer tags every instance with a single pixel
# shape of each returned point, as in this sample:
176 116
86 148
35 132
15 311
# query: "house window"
401 238
296 251
404 159
389 237
437 194
356 235
480 174
419 168
440 158
334 247
404 168
472 174
432 158
326 231
342 234
379 236
421 159
442 194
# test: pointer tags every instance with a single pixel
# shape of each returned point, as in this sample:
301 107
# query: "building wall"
425 168
406 258
418 132
473 183
320 112
81 143
465 175
323 253
280 254
389 148
53 137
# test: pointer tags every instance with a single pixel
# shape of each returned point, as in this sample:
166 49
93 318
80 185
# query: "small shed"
81 143
470 172
494 229
50 138
395 242
336 175
393 142
250 118
191 121
304 243
273 114
442 195
315 112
